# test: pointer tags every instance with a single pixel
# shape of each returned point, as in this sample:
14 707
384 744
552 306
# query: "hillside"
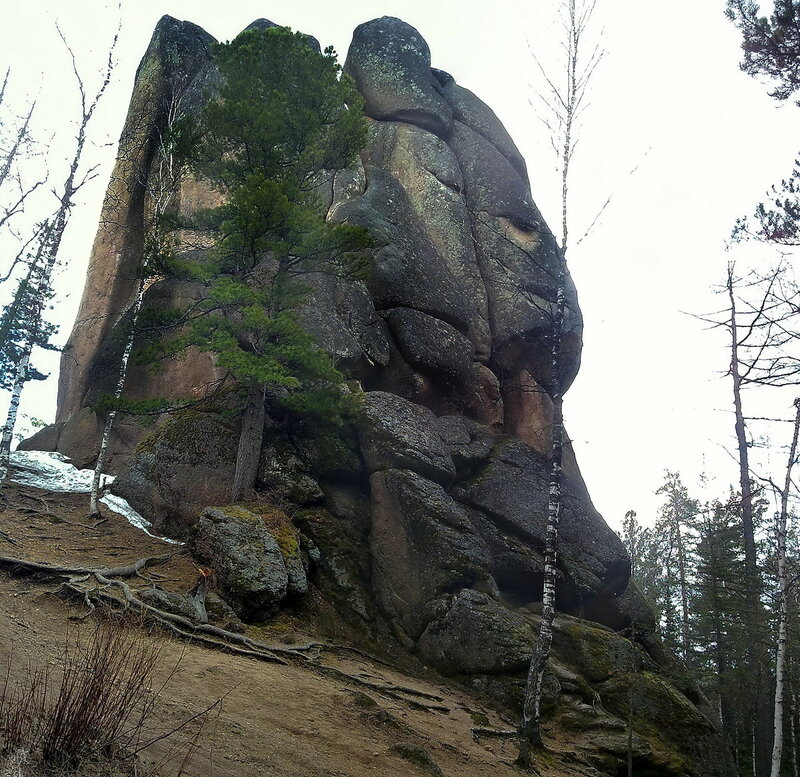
292 720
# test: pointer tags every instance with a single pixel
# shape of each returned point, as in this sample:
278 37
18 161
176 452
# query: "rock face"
425 518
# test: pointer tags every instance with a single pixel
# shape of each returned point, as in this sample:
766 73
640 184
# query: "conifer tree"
676 518
284 117
719 606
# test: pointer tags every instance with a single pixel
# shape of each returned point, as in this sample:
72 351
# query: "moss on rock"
594 651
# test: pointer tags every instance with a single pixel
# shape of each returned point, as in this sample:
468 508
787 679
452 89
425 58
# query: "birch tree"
160 193
783 592
758 319
17 147
49 241
530 731
94 506
564 101
565 96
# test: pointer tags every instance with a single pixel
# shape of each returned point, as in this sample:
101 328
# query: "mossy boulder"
342 563
391 64
596 653
179 468
422 546
280 526
332 456
478 635
284 475
255 557
683 741
398 434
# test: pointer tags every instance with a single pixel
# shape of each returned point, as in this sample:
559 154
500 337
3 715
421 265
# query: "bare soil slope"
275 720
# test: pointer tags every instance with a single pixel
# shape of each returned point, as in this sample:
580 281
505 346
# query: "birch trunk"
530 732
250 439
11 417
566 103
780 661
94 507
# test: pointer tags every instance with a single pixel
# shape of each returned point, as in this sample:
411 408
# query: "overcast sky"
668 101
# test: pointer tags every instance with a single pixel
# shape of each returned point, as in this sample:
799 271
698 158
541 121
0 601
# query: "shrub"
97 704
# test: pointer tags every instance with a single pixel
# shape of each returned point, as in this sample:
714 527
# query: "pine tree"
720 601
771 44
676 518
283 118
20 320
771 51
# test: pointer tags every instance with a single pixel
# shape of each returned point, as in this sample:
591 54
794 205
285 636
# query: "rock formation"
426 520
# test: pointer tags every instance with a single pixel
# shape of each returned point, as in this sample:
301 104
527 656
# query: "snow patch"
121 506
53 472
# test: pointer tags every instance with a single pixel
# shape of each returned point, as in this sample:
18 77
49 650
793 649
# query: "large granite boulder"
179 468
422 545
396 434
250 566
422 521
391 64
175 67
478 635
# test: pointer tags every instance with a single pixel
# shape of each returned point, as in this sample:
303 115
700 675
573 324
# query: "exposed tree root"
93 586
502 733
129 570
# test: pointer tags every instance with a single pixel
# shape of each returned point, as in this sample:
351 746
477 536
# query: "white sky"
669 97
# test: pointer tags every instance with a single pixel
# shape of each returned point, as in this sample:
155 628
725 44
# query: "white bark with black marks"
11 416
783 591
94 508
530 730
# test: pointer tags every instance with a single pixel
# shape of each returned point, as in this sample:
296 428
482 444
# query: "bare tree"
16 188
759 320
161 187
564 102
565 97
780 659
49 241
